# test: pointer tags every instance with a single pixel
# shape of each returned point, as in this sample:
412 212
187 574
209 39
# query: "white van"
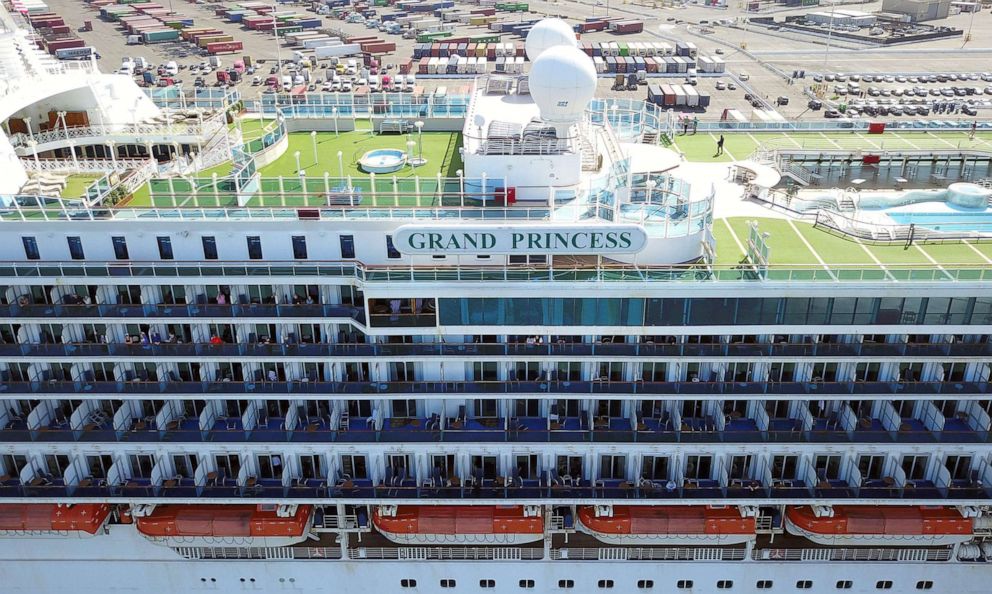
287 83
171 68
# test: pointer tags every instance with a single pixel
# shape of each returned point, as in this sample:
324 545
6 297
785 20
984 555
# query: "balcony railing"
364 350
494 435
832 273
490 490
429 389
190 310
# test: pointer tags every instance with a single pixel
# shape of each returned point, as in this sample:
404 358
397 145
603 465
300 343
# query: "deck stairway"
649 137
590 158
846 202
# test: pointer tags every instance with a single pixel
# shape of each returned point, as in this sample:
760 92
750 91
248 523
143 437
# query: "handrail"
444 349
364 273
676 390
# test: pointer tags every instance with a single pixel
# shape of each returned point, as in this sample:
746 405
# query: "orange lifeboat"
242 525
667 525
82 519
880 525
458 524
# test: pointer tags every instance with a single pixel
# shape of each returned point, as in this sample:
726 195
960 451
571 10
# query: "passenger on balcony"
215 340
156 337
143 339
221 299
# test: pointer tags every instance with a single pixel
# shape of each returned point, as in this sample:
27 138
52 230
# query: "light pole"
313 141
334 112
420 144
297 156
275 32
340 164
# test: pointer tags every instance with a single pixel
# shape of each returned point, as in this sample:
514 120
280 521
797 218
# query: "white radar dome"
562 82
547 34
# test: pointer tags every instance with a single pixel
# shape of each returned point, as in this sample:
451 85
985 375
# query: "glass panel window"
254 247
75 248
164 247
120 247
209 247
31 248
347 246
299 247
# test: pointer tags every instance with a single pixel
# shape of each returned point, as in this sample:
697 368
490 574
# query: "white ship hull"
127 562
461 539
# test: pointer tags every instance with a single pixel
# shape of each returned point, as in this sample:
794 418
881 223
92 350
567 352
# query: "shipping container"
627 27
225 47
160 35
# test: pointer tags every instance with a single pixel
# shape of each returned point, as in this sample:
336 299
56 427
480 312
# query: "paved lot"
767 53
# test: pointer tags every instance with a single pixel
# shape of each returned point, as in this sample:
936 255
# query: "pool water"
980 222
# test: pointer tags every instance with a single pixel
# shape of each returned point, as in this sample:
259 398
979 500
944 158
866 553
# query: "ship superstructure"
542 373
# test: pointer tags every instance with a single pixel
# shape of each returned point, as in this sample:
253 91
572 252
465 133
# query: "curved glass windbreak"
629 118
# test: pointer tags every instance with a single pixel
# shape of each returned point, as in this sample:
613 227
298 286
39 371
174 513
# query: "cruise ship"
510 337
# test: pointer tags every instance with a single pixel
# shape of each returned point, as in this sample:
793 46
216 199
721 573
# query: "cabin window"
164 247
725 584
31 248
254 247
605 584
883 585
299 247
487 583
75 248
844 584
683 584
924 585
408 583
763 584
804 584
120 247
347 246
645 584
565 584
526 583
209 247
391 252
447 583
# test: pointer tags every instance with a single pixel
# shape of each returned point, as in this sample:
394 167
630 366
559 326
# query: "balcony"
189 310
364 350
498 488
671 390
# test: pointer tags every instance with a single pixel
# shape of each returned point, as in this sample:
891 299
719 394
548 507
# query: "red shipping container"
225 47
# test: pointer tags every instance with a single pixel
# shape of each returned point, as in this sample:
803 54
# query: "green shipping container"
624 50
283 31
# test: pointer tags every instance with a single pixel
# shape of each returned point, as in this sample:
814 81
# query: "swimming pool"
980 222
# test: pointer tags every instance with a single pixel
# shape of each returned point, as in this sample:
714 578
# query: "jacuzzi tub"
382 161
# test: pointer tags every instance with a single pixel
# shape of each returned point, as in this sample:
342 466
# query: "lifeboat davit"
458 524
40 519
238 525
667 525
881 525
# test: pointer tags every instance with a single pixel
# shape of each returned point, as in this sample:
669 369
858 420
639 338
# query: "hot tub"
382 161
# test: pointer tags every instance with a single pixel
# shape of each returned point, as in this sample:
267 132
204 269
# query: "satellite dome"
547 34
562 82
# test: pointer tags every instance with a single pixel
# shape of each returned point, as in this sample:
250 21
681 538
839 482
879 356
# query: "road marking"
947 142
736 240
830 140
807 243
978 251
